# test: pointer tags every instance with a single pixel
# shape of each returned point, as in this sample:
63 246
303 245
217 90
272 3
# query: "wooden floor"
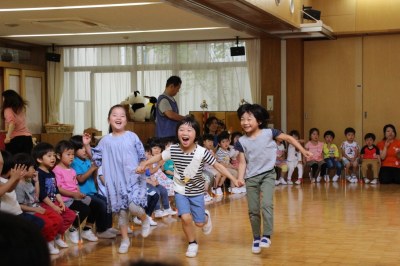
315 224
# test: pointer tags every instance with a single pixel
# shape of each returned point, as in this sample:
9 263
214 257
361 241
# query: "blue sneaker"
255 248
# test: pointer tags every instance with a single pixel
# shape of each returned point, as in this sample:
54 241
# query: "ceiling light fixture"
109 33
75 7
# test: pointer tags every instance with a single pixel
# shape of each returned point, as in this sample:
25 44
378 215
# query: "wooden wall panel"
294 85
271 77
332 98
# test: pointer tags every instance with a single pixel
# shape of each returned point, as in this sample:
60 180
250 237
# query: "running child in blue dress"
120 153
189 159
256 168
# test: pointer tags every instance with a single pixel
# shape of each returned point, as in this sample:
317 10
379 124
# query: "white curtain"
95 78
253 66
55 86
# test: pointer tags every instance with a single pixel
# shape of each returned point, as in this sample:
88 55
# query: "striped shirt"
188 168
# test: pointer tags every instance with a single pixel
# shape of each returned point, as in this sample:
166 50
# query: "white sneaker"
265 242
366 180
374 181
282 181
106 234
152 222
348 178
277 183
319 179
298 182
255 248
219 191
335 178
243 189
52 248
88 235
312 180
235 190
354 180
192 249
146 227
137 221
73 236
289 182
59 242
326 178
207 228
207 198
159 214
114 231
170 211
123 248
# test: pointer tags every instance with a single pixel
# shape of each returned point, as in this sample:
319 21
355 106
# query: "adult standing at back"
389 148
167 114
18 137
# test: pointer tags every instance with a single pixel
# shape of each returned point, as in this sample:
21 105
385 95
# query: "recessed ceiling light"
75 7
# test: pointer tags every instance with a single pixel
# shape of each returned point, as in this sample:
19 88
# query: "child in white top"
294 160
219 180
281 162
350 153
189 160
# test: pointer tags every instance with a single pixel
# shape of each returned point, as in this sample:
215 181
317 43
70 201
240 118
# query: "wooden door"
332 92
381 77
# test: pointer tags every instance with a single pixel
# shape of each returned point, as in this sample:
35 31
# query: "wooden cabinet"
144 130
54 138
229 118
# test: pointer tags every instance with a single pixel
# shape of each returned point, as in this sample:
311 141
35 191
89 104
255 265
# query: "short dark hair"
24 159
370 136
156 142
41 149
389 126
189 120
234 135
259 112
62 146
349 130
8 160
208 136
294 133
77 142
146 147
174 80
329 133
223 135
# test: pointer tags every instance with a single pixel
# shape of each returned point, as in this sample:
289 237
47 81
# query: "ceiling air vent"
67 23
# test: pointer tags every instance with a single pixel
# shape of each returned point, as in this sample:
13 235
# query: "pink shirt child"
316 150
66 179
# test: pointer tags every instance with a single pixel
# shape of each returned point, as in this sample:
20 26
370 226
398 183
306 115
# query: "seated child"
223 157
209 171
168 166
49 196
234 153
350 153
281 163
85 172
294 159
152 173
27 192
370 156
331 156
67 184
316 161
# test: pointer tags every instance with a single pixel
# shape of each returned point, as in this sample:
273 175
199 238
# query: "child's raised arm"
295 143
144 164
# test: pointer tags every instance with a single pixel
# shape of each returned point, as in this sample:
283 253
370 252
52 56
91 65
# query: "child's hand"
78 195
308 154
237 183
18 172
86 138
58 209
62 206
40 210
140 169
241 182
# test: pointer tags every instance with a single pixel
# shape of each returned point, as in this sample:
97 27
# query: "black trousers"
389 175
20 144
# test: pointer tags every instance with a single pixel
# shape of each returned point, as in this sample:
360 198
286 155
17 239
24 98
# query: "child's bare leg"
141 214
187 226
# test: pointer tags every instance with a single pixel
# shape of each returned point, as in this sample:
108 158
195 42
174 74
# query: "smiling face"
117 119
186 136
249 123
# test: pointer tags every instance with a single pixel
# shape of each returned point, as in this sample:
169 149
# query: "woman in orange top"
389 148
18 137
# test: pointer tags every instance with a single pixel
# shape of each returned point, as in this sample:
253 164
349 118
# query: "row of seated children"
326 156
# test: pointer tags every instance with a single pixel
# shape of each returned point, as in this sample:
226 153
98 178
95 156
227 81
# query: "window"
96 78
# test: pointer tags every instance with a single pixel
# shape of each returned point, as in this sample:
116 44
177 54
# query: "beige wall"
359 16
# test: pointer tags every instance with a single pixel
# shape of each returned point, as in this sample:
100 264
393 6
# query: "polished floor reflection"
315 224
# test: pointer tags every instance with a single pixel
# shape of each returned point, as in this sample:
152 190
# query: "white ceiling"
158 16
